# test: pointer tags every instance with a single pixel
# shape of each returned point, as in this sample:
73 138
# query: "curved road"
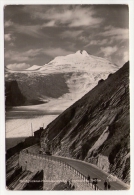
89 169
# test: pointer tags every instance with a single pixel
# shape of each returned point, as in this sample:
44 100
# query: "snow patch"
34 67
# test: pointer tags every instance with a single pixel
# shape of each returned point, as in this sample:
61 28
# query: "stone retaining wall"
55 171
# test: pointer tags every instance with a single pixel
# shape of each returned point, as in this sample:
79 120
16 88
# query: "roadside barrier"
83 179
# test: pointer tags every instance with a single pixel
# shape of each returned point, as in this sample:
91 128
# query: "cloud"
71 33
31 30
16 56
75 34
53 52
121 56
126 56
11 44
22 56
108 51
15 66
75 16
49 24
7 37
115 33
8 23
31 54
55 16
97 42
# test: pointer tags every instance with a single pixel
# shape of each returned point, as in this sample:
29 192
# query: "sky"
36 34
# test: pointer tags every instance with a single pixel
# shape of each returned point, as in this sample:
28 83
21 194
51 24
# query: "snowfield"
34 67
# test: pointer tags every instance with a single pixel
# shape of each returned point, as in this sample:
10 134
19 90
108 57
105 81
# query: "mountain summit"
82 52
79 61
63 80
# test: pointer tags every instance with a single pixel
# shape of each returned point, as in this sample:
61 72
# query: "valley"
50 89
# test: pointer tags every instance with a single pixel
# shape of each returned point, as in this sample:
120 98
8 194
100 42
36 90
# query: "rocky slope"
96 128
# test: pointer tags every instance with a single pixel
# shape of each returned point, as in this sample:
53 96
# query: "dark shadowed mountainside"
96 128
36 87
13 94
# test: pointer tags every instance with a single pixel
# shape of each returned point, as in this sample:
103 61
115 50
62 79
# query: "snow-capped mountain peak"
70 76
79 61
82 52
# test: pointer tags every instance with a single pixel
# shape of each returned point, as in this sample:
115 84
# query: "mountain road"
94 172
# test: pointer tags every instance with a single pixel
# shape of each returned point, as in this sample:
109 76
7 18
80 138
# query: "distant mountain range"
96 128
63 80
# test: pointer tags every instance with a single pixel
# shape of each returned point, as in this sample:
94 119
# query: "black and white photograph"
67 97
